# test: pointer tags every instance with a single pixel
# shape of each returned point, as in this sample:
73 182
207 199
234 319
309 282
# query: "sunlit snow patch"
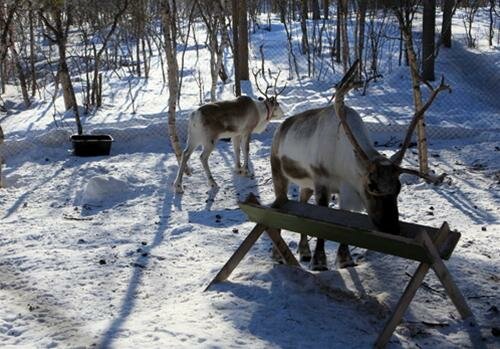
105 189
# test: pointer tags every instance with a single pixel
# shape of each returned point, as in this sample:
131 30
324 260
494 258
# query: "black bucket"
91 145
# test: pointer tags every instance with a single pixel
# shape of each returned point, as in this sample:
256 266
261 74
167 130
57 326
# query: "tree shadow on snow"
142 261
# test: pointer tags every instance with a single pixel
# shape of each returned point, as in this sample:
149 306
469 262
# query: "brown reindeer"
236 119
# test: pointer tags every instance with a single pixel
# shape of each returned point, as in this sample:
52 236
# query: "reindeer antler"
397 158
427 176
342 88
277 93
255 75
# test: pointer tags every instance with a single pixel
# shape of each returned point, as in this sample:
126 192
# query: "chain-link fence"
137 108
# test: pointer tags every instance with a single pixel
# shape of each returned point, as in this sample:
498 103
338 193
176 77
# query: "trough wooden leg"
282 247
402 305
445 277
238 255
411 288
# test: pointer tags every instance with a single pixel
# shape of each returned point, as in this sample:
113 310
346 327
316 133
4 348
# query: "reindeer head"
380 182
273 107
381 187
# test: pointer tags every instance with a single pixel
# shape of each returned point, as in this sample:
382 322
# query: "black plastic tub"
91 145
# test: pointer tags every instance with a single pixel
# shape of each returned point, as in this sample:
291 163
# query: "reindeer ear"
261 99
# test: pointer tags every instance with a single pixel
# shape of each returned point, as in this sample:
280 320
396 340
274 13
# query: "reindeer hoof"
318 267
212 184
344 258
243 172
304 253
188 171
178 188
318 262
346 264
247 173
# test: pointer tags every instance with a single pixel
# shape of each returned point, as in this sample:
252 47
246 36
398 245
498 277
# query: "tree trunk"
315 9
326 8
63 75
282 10
361 34
428 37
236 48
303 26
20 75
32 52
338 34
213 63
305 38
304 9
446 25
344 35
67 87
170 33
243 39
405 26
491 30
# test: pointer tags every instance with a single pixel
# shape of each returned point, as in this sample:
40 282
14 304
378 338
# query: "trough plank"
349 227
321 227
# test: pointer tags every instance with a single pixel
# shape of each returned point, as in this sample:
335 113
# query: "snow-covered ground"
100 252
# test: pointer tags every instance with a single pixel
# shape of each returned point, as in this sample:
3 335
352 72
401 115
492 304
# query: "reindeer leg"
344 258
246 151
303 249
183 168
349 200
236 140
207 150
318 261
280 183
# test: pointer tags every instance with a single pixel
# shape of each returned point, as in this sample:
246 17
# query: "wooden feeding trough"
427 245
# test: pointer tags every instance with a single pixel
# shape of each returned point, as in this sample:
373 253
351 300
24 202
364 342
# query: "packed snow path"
129 270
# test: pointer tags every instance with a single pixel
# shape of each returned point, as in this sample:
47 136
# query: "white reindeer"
314 151
236 119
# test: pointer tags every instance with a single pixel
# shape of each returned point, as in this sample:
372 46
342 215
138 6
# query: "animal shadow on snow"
304 307
295 309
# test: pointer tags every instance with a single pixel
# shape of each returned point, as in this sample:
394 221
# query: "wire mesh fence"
385 103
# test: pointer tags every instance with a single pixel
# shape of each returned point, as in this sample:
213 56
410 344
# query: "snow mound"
100 189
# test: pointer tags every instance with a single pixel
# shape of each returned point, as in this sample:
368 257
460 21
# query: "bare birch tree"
405 13
58 17
169 19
